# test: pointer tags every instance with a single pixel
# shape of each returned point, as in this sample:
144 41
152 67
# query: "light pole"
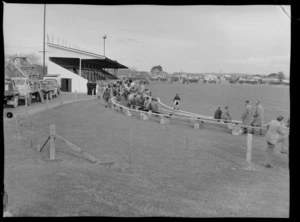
104 37
44 71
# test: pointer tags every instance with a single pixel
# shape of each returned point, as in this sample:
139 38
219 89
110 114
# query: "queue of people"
132 93
91 88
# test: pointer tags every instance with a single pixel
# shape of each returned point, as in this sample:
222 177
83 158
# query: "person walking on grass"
276 134
247 117
258 116
176 102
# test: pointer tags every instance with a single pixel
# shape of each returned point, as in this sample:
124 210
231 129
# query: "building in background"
74 67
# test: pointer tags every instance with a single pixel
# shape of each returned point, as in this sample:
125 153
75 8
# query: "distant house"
210 78
256 78
286 81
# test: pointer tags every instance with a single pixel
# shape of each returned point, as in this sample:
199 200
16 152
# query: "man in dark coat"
176 102
218 113
88 87
106 96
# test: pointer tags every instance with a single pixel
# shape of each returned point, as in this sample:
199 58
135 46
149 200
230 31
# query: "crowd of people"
133 94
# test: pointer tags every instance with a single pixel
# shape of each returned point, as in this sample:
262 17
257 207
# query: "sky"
253 39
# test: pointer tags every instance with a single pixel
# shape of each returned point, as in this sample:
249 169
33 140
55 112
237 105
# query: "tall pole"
44 40
104 37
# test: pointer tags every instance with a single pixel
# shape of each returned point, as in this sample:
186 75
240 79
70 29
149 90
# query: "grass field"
174 169
206 98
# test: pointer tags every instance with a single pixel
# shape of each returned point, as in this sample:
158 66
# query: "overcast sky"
247 39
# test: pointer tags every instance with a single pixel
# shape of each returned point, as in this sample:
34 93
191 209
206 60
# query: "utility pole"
104 37
44 71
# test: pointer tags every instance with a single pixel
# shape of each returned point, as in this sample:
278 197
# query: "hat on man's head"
279 118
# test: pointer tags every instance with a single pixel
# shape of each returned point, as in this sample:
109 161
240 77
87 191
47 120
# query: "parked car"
55 84
11 94
48 89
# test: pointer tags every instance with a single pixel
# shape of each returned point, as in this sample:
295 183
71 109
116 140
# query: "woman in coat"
247 116
258 116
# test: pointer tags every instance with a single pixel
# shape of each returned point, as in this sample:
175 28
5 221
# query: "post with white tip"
249 152
249 148
52 144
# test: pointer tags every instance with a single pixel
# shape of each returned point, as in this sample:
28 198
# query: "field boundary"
195 118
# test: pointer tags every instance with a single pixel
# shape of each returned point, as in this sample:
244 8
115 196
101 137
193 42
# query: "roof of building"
101 60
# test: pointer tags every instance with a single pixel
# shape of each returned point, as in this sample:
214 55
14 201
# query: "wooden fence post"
249 148
52 144
249 152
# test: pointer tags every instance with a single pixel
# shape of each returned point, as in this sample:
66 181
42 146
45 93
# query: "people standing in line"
88 87
225 114
275 135
247 117
218 113
176 102
94 88
258 116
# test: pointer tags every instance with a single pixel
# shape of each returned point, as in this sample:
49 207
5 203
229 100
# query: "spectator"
147 102
153 106
274 136
88 87
94 88
176 102
225 114
218 113
106 96
258 116
247 116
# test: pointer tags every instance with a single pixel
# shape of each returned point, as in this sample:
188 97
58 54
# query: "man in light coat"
247 116
258 116
276 134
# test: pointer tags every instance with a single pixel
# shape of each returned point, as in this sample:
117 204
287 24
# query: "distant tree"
33 59
156 69
280 76
273 75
